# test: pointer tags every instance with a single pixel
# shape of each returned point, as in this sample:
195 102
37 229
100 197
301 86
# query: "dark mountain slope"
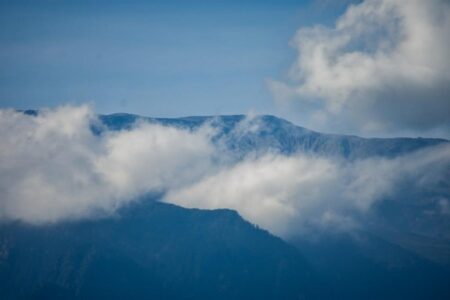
152 250
361 265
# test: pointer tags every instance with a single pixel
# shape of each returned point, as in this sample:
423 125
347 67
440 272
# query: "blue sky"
349 66
157 58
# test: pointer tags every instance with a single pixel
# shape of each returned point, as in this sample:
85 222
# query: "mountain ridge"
152 249
282 136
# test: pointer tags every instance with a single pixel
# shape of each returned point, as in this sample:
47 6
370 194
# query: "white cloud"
384 67
288 194
53 167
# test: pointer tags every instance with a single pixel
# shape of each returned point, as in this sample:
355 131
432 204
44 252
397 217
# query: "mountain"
407 213
271 133
152 250
156 250
267 132
402 250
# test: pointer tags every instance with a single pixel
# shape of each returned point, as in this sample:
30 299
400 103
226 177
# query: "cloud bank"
384 67
289 194
54 167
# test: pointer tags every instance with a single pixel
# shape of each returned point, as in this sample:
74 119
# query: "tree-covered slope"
152 250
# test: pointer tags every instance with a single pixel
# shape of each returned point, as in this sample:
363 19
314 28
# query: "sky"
156 58
371 68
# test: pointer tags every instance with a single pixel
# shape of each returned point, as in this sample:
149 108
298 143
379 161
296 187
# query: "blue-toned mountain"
266 132
152 250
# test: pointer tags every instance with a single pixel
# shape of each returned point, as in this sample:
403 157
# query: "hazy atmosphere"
225 149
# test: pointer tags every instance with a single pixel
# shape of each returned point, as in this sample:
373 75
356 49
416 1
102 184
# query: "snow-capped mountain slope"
246 134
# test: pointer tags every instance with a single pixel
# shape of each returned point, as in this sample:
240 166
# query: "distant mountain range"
278 134
154 250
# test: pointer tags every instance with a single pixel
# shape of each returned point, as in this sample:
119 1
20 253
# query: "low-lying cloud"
53 167
288 194
383 68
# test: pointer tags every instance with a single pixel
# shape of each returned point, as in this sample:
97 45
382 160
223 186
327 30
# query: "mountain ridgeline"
155 250
272 133
152 250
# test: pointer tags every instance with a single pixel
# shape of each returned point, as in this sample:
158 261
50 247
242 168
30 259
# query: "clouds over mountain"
290 194
383 68
54 166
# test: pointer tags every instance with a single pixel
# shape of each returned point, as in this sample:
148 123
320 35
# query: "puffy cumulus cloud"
290 194
384 67
52 166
